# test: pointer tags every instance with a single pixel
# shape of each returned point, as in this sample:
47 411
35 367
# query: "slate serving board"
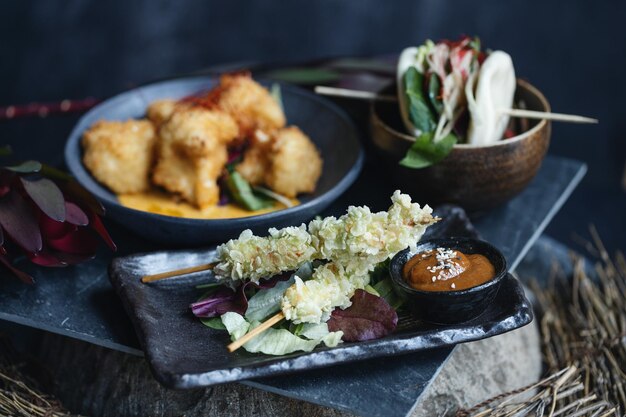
183 353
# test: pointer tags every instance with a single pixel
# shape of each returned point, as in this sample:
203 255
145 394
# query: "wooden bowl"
475 177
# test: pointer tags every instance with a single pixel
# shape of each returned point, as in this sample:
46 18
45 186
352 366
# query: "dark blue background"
574 51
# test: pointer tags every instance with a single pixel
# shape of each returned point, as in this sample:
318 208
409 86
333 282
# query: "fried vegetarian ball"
192 152
252 106
256 159
296 164
120 154
287 162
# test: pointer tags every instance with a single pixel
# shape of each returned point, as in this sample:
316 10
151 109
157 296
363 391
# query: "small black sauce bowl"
449 307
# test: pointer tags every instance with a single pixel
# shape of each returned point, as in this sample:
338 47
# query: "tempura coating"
192 152
252 106
196 131
195 180
120 154
296 164
160 110
256 158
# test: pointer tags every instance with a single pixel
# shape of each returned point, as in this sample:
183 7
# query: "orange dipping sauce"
443 269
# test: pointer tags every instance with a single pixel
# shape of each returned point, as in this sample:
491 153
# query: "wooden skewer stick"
344 92
255 332
177 272
559 117
527 114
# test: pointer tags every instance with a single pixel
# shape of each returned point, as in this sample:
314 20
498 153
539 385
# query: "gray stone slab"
392 387
78 302
477 371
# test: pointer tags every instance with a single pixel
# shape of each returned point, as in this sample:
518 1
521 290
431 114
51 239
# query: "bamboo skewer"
347 93
207 267
177 272
255 332
519 113
557 117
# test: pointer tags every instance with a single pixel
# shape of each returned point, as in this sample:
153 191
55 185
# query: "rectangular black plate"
185 354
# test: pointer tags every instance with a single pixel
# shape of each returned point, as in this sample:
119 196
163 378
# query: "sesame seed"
453 286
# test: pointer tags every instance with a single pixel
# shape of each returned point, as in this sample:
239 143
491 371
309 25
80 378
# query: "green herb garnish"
425 151
434 93
277 95
214 323
419 111
243 194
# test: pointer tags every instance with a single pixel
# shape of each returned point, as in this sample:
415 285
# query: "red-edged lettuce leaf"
225 299
369 317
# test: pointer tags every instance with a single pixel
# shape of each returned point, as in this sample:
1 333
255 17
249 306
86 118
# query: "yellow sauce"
159 202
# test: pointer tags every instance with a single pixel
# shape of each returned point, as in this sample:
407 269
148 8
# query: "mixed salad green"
373 313
452 92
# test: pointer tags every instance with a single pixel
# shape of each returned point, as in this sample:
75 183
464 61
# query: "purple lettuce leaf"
368 318
219 302
225 300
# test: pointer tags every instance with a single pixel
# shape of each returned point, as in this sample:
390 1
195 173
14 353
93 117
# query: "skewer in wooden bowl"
527 114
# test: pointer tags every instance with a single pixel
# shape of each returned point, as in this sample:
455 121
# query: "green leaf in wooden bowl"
425 152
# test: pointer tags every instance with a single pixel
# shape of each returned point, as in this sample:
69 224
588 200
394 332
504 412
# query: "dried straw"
583 330
19 396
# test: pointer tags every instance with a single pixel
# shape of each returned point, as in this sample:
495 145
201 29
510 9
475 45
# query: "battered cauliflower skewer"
252 257
354 244
331 286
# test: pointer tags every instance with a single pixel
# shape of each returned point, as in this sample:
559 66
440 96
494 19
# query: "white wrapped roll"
495 90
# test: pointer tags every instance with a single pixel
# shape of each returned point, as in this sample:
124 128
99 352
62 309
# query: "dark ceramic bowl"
474 177
328 126
449 307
